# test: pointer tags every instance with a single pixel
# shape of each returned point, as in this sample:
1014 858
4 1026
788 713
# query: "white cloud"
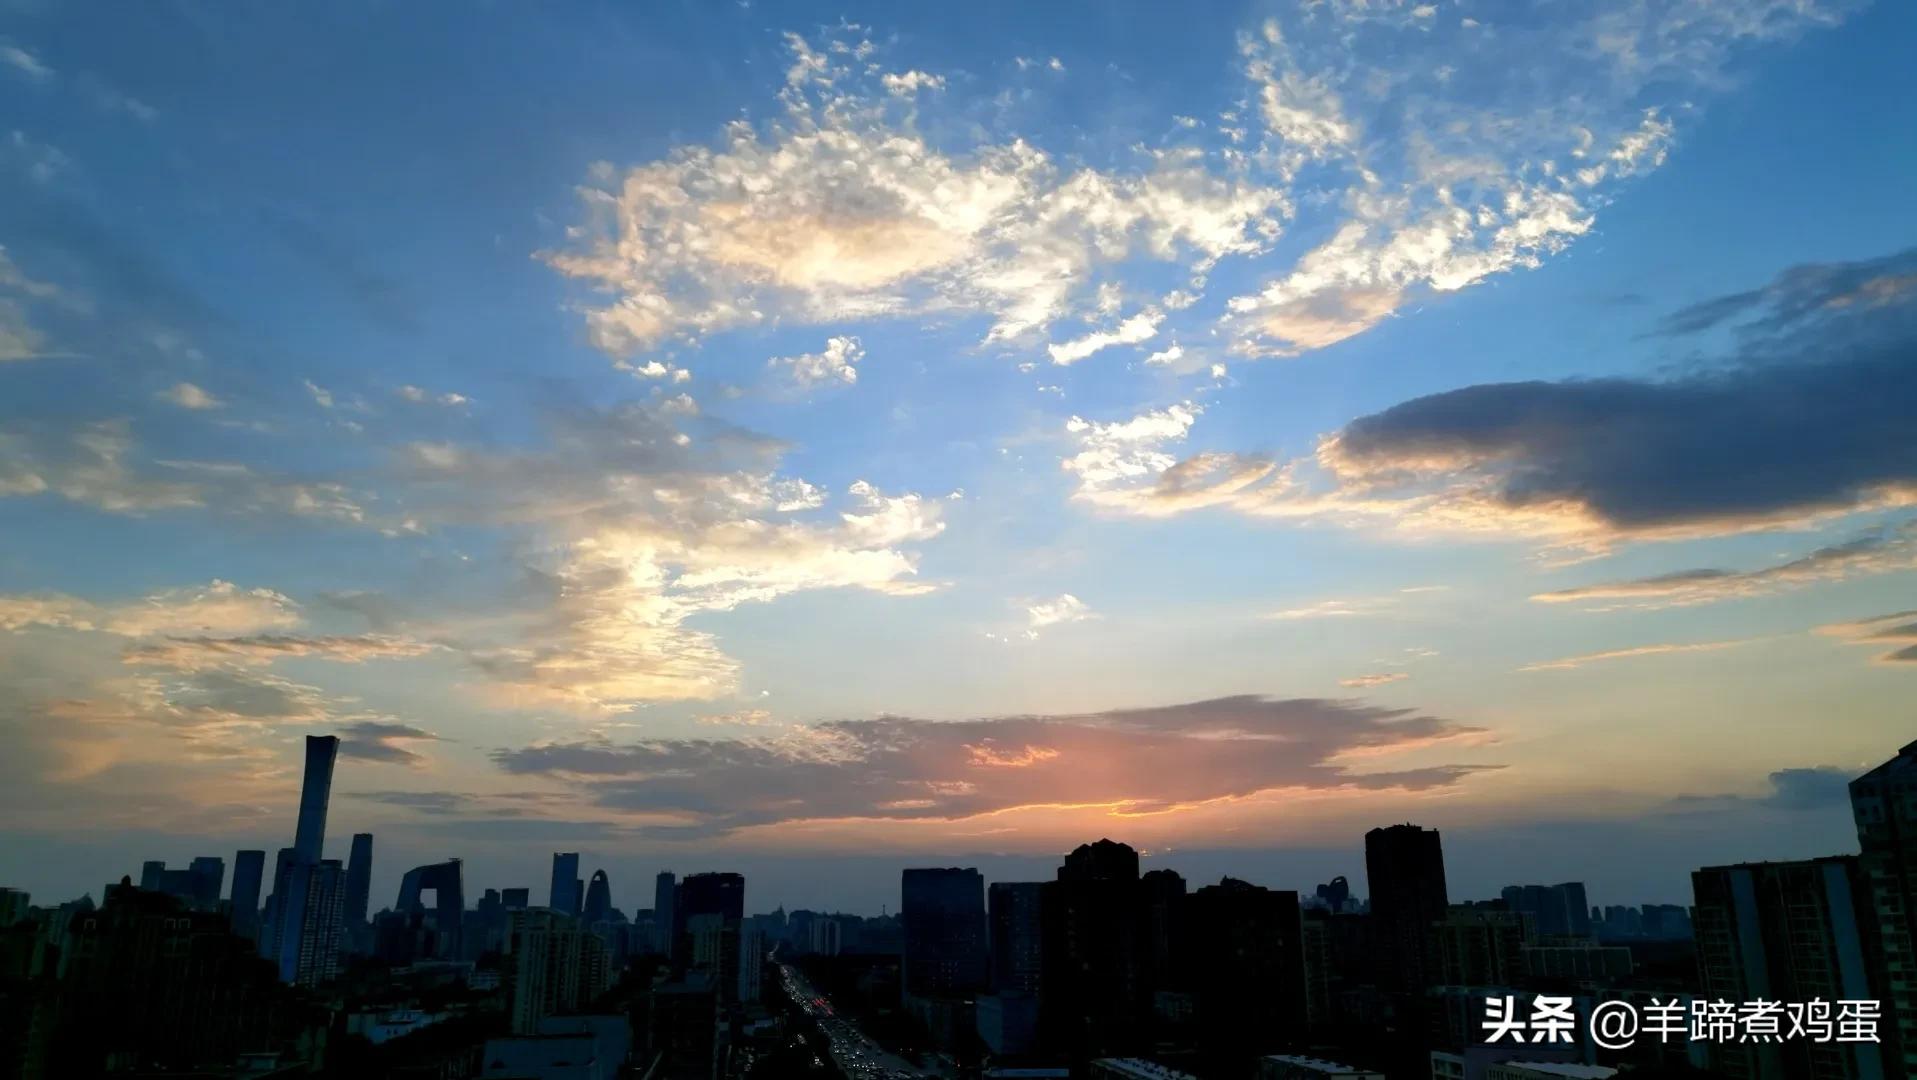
1140 327
1170 354
836 363
1662 649
839 211
420 396
24 62
188 396
321 396
1063 608
911 82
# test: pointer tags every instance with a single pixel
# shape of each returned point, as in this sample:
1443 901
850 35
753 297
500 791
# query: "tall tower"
359 879
302 933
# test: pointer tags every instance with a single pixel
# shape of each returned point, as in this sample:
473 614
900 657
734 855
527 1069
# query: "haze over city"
809 441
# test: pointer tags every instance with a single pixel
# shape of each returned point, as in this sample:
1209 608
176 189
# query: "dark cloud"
1807 293
1814 788
1747 446
1134 760
383 741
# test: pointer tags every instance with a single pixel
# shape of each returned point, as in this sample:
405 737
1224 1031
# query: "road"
853 1052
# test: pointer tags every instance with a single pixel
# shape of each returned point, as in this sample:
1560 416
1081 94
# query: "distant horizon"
807 438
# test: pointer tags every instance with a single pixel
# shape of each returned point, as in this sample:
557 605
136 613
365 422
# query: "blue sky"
729 433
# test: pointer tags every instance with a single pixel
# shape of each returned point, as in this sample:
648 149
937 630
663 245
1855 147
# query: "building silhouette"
359 880
308 898
248 868
1015 918
1095 998
598 906
1248 972
663 888
1404 868
943 915
447 881
563 893
555 967
1554 910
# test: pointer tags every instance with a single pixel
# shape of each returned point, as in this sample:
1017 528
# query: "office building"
943 913
598 905
1334 895
299 927
1015 918
1404 870
752 951
688 1030
663 888
515 899
562 893
359 880
1788 931
248 868
824 936
447 882
1884 804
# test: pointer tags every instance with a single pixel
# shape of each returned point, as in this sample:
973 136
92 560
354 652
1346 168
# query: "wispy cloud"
1897 629
1632 653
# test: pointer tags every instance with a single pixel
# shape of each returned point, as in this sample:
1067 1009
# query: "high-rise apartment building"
1791 932
1884 803
1404 867
248 867
664 886
1015 918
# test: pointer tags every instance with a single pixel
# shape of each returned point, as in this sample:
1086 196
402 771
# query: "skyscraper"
1884 803
1404 866
1788 931
598 898
562 894
942 912
359 880
299 931
1555 910
664 886
1248 971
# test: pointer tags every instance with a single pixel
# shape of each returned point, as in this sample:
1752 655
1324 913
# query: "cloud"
1898 628
910 83
1140 327
836 363
1379 679
1821 787
1662 649
320 395
189 653
1132 761
384 741
188 396
1063 608
1805 294
24 63
220 607
420 396
840 210
1803 422
1879 551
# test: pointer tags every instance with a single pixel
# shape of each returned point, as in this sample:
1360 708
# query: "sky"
812 441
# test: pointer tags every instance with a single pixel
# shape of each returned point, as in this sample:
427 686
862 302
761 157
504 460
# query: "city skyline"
812 442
